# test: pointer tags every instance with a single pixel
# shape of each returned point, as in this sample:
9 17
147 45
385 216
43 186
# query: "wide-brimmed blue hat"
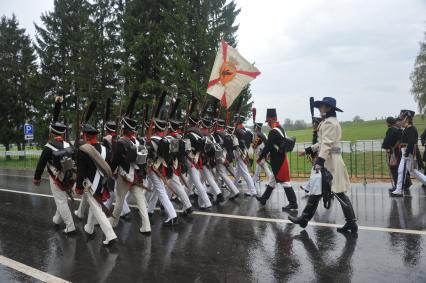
330 101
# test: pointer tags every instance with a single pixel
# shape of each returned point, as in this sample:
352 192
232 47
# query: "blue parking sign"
28 129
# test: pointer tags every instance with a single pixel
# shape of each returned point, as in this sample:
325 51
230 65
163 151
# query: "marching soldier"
110 142
408 145
208 159
225 141
279 162
330 158
130 174
57 156
93 172
157 173
391 145
194 162
171 151
245 138
258 145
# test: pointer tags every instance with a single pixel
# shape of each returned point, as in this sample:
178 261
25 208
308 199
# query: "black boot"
266 195
308 212
291 196
349 213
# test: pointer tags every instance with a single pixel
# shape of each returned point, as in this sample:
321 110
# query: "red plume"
253 110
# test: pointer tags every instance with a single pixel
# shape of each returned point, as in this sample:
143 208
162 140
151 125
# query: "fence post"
350 157
372 156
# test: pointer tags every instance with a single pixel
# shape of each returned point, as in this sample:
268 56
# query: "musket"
189 110
88 190
156 106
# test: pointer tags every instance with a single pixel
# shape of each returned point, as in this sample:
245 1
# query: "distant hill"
367 130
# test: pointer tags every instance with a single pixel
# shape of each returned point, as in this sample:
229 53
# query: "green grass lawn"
351 131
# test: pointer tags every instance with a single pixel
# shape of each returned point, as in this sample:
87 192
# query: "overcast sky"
359 51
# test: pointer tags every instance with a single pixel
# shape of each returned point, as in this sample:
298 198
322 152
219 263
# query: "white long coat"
329 135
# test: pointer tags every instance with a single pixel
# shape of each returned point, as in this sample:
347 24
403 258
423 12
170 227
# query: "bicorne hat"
330 101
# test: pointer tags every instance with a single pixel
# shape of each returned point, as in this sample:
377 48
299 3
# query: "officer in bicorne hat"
54 153
330 158
279 162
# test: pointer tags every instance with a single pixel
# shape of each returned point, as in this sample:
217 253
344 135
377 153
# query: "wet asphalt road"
215 248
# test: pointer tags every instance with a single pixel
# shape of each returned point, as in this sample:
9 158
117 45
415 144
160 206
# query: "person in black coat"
279 162
391 145
55 151
92 182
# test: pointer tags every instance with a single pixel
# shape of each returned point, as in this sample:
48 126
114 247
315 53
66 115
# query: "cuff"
320 161
309 151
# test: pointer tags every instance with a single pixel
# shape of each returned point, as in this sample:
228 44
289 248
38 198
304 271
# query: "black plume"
107 113
146 112
311 105
192 105
174 108
57 109
131 105
160 104
90 111
215 108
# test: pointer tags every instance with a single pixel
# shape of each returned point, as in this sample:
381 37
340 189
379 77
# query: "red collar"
59 138
159 134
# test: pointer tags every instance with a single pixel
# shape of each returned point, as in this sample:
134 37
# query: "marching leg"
224 175
180 191
121 190
61 200
308 211
291 196
203 198
268 192
164 199
349 213
143 212
99 215
213 185
80 212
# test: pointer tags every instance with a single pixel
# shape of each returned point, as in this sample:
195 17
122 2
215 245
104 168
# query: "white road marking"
30 271
262 219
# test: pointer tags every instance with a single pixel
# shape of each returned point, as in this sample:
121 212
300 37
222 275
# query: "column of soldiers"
174 159
403 154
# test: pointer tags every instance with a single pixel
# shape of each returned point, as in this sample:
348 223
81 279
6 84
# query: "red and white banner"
230 74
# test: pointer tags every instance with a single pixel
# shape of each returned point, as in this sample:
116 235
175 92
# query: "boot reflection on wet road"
209 248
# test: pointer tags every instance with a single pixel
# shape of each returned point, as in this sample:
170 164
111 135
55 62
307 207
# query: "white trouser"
194 176
408 163
121 189
223 173
108 203
259 167
96 215
243 171
180 191
160 191
273 183
63 213
208 176
81 211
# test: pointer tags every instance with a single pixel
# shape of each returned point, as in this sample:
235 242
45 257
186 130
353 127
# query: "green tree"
67 67
17 78
418 78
